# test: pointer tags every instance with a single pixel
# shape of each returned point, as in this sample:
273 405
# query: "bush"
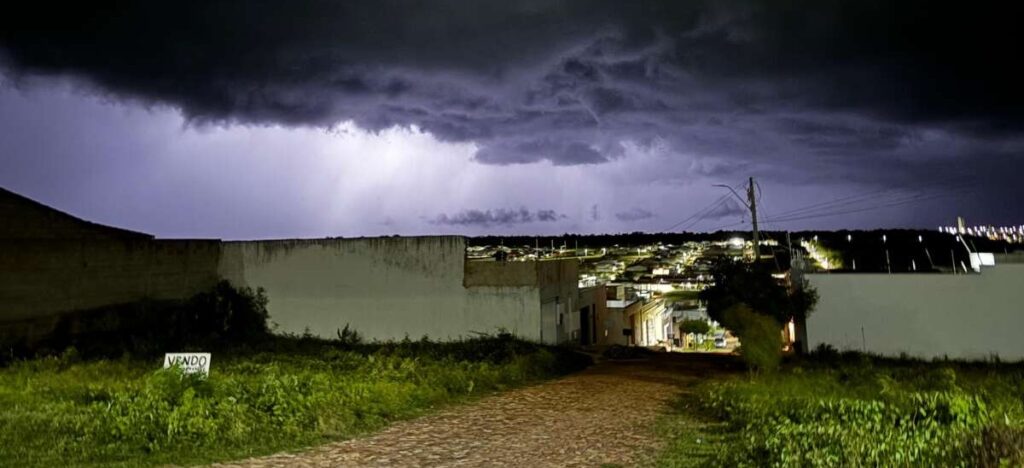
221 317
760 337
697 327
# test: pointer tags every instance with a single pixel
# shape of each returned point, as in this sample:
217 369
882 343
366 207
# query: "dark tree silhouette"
737 282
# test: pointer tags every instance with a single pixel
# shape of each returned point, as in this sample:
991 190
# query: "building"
593 312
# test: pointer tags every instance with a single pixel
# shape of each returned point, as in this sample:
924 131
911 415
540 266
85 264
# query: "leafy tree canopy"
698 327
752 284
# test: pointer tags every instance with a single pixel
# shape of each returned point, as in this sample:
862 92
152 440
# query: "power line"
867 196
711 206
903 201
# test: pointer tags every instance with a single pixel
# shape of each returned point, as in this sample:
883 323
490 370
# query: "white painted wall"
385 288
923 315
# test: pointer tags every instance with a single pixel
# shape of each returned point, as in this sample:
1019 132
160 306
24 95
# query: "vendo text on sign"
190 363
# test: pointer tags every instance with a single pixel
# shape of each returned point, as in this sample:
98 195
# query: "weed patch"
284 393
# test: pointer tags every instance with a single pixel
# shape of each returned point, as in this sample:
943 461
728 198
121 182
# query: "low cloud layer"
497 217
634 214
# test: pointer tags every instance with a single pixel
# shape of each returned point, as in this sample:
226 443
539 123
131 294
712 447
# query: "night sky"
305 118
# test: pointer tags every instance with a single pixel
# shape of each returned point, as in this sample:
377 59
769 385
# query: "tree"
697 327
752 284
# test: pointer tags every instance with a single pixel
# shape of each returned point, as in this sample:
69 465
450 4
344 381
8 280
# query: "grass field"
680 295
853 410
289 393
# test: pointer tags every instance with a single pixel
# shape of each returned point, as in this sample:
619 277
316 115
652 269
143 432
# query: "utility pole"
789 245
751 204
753 217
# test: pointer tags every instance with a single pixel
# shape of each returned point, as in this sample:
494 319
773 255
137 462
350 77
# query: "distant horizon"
496 235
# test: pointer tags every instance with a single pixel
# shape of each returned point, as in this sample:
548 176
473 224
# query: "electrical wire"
702 212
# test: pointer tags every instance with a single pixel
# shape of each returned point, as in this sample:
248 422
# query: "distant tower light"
883 238
849 238
920 238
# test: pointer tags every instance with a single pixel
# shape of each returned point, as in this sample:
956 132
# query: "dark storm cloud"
499 216
635 214
789 89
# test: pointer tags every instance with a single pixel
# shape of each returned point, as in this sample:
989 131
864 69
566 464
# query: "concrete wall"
388 288
50 277
593 301
613 321
924 315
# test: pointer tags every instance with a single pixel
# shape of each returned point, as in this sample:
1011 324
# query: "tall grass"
284 393
863 411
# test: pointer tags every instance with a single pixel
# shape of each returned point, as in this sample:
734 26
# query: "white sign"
190 363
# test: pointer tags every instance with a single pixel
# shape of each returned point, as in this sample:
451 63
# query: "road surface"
604 415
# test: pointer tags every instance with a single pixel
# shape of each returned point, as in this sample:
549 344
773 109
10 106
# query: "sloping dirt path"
603 415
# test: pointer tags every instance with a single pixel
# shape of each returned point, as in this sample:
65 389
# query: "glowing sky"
303 119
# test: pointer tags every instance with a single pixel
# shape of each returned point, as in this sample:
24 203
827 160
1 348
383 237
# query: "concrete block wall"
923 315
51 277
392 287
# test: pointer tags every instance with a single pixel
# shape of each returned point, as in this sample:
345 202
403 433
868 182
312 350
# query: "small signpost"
190 363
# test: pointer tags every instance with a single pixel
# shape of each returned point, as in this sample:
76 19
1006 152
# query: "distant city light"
1010 234
849 238
736 242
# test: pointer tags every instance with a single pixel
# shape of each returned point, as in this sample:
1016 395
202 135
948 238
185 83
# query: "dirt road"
603 415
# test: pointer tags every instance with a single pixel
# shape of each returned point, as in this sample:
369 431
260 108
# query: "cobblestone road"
603 415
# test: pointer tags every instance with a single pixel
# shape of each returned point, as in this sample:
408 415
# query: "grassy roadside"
286 394
853 410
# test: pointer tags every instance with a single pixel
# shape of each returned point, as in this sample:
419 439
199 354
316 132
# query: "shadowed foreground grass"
853 410
289 393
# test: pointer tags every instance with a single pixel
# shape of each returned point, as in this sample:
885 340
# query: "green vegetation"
290 393
760 338
697 327
736 282
223 316
677 295
854 410
105 400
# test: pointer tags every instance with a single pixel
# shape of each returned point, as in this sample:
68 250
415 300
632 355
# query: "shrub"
697 327
223 316
760 337
349 337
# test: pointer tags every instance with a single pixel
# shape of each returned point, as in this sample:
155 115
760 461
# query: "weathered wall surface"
594 300
386 288
613 321
924 315
51 277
